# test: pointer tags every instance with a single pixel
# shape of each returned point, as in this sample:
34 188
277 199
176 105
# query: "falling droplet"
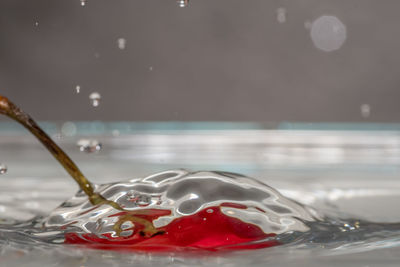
365 110
89 146
3 168
95 99
121 43
78 89
36 23
183 3
281 15
83 2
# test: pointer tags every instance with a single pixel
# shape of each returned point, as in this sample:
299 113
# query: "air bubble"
3 168
139 199
78 89
89 146
95 99
83 2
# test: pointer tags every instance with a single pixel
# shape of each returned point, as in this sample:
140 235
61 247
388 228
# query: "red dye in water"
208 229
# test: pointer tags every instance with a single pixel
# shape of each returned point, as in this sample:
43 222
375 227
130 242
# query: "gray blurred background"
215 60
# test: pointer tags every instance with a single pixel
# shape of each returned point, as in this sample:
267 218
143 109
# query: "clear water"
352 184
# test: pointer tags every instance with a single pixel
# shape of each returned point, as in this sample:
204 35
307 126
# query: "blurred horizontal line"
121 128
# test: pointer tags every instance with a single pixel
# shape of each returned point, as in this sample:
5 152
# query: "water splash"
208 210
89 145
180 210
95 98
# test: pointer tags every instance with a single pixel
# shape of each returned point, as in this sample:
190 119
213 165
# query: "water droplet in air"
78 89
36 23
95 99
83 2
365 110
150 68
89 146
3 168
121 43
281 15
182 3
328 33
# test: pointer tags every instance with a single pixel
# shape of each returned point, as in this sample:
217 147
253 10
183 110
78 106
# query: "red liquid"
203 230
